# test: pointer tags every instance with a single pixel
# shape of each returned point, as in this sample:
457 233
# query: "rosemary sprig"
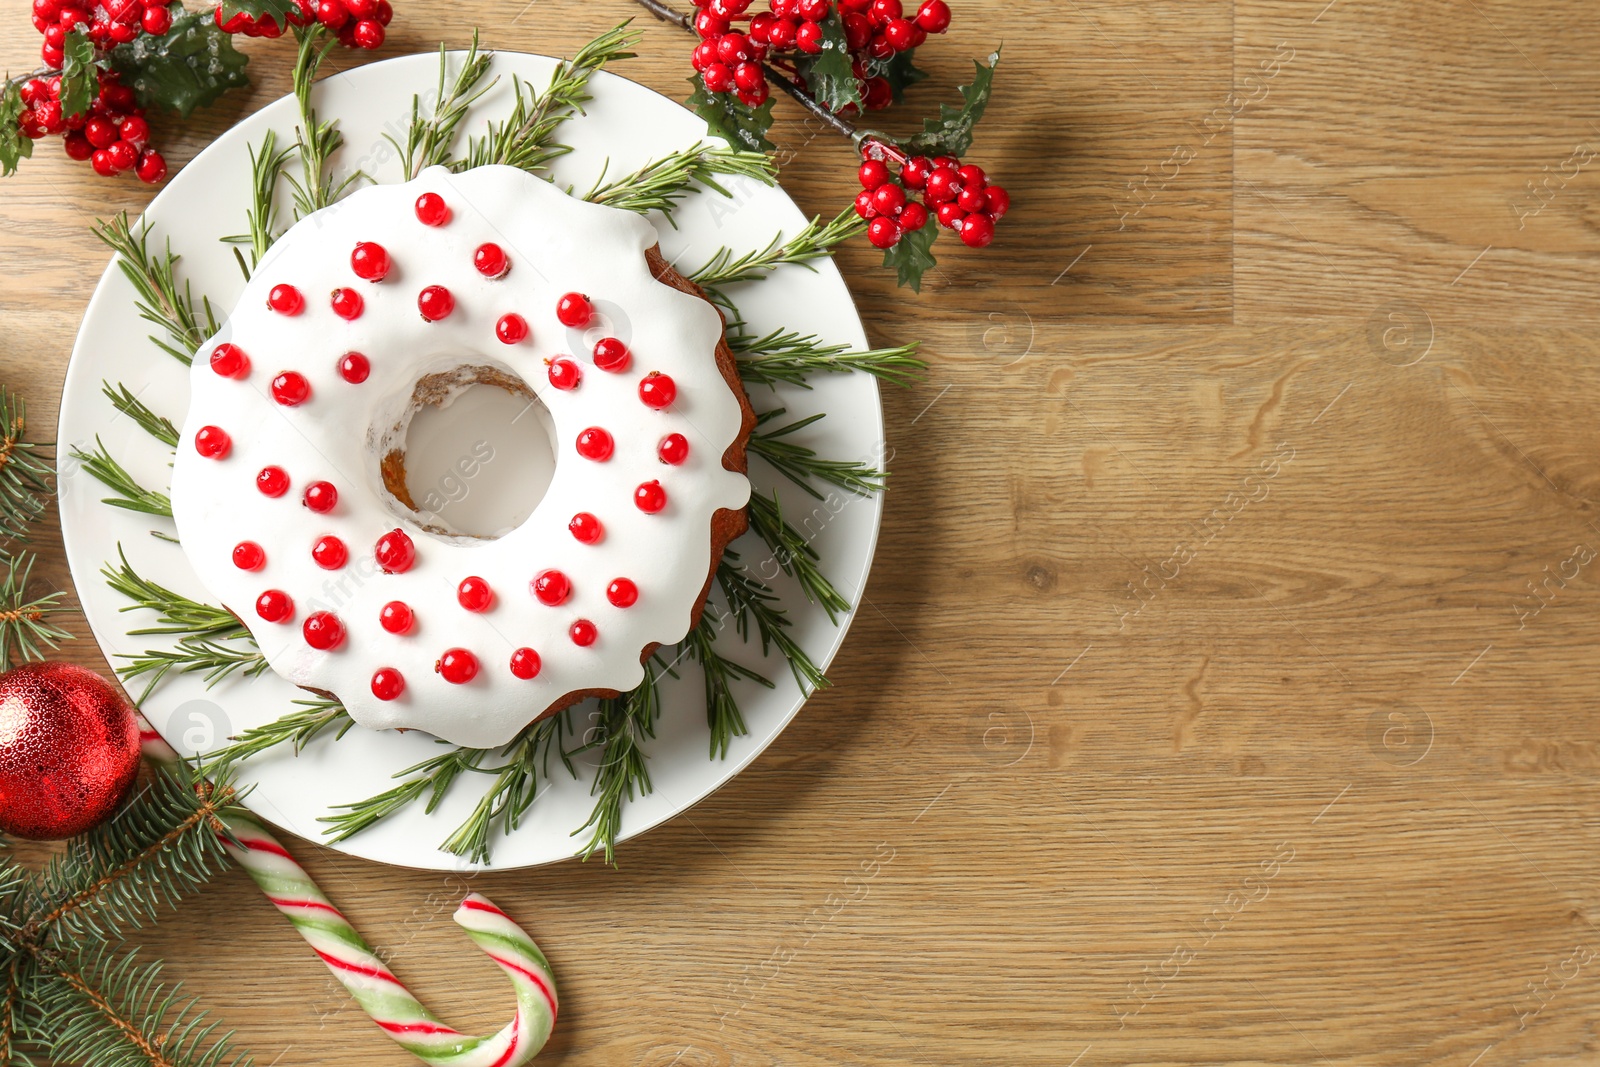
130 494
266 167
513 787
524 138
193 654
177 614
298 728
660 184
802 465
428 139
432 778
815 240
154 280
625 723
722 711
749 598
24 618
130 405
24 473
794 555
315 189
790 358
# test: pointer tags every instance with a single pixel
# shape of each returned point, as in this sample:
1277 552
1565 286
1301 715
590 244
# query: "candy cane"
368 979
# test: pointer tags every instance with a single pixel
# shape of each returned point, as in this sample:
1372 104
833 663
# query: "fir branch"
18 978
794 555
130 405
176 613
790 358
315 189
24 474
723 717
154 280
432 778
296 729
266 166
130 494
193 655
428 139
512 790
802 465
24 618
815 240
625 722
749 599
660 184
524 139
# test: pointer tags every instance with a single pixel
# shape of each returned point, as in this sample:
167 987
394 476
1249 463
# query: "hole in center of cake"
476 456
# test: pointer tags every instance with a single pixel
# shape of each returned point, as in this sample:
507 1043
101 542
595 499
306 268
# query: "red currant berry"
950 215
583 633
435 302
286 300
152 167
864 206
977 231
934 16
354 368
748 77
387 683
942 186
657 390
491 261
622 593
273 481
525 663
275 606
332 13
972 199
77 147
913 216
397 617
596 444
347 304
395 552
586 528
370 261
134 130
574 310
511 328
100 161
673 449
369 34
611 355
291 388
323 631
899 34
708 25
230 361
249 556
650 497
330 553
996 201
212 442
564 374
321 497
872 173
552 588
474 594
718 78
432 210
889 199
883 232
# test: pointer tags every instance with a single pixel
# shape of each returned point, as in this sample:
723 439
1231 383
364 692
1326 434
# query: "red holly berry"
872 173
611 355
914 174
977 231
596 444
760 24
934 16
321 497
650 497
230 361
673 449
511 328
323 631
123 156
996 201
708 25
574 310
156 21
813 10
291 388
387 683
347 304
396 617
586 528
583 633
857 31
883 232
370 260
733 49
942 186
474 594
622 593
362 9
972 198
432 210
354 368
950 214
332 13
330 553
151 168
491 261
77 146
275 606
888 199
781 34
369 34
564 374
100 161
286 300
212 442
718 78
525 663
753 98
747 77
864 206
899 34
249 556
913 216
435 302
134 130
395 552
704 54
552 588
657 390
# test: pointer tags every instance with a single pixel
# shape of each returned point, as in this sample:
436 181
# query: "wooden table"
1224 690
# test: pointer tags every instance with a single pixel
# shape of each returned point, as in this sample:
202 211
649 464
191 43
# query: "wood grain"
1198 710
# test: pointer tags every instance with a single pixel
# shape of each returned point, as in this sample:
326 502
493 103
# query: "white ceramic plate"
207 201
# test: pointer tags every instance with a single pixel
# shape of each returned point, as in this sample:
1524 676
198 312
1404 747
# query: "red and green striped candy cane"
368 979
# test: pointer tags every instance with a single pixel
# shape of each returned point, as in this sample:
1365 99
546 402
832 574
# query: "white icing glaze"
556 244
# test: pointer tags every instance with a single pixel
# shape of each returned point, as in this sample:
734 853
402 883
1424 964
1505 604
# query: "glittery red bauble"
69 750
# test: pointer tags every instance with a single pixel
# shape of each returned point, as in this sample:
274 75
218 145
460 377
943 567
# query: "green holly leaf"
829 74
79 82
188 67
901 72
732 119
951 133
13 146
279 10
912 255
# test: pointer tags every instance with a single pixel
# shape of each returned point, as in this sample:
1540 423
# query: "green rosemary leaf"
625 723
130 494
176 613
794 555
815 240
154 279
660 184
752 600
428 139
192 655
723 718
429 779
130 405
784 356
297 729
802 465
315 189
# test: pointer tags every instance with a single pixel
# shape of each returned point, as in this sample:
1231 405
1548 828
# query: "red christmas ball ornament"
69 754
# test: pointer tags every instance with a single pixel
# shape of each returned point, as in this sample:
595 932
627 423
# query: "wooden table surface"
1224 690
